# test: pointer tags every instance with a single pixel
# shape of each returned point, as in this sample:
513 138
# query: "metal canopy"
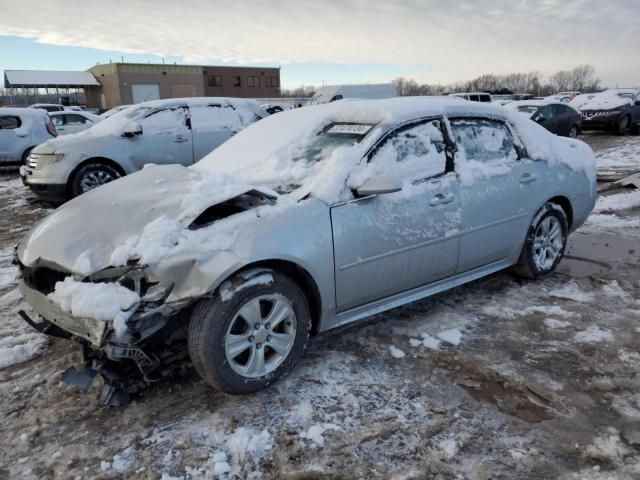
48 79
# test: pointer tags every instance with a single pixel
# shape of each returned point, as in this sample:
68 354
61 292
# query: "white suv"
21 129
179 130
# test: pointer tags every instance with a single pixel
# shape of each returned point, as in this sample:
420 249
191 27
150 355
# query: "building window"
215 81
272 81
237 82
253 81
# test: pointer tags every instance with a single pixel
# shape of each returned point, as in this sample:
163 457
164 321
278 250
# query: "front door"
212 125
498 191
166 138
391 243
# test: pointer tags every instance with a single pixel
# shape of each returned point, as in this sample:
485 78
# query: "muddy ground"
543 384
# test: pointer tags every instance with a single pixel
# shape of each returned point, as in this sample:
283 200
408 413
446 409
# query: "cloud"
449 41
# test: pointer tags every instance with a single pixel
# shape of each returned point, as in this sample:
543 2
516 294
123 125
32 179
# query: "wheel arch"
107 161
565 204
301 277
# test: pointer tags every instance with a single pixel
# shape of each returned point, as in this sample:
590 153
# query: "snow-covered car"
555 116
113 111
333 93
161 131
308 220
21 129
473 96
617 110
67 122
48 107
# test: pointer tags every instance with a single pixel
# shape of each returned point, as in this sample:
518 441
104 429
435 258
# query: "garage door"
143 92
180 90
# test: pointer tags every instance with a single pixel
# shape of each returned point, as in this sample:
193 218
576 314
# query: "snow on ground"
502 378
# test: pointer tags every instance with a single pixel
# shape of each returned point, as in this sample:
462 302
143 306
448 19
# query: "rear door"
166 138
13 139
498 191
391 243
546 117
212 125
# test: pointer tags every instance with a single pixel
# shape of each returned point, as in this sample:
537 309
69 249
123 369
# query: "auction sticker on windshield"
349 129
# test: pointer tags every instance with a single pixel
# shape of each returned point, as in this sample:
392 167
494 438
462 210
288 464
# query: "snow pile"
20 348
603 221
452 336
315 432
83 263
396 352
101 301
572 291
593 334
620 201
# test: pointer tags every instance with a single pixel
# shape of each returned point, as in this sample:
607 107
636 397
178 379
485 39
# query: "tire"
635 128
222 316
623 125
26 154
573 132
540 257
92 175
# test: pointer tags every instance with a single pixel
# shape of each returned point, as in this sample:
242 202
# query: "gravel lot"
542 384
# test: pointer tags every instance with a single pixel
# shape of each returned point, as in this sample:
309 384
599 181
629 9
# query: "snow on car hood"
607 100
140 216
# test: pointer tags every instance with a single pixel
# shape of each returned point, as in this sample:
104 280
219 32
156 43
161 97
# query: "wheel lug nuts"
257 326
251 338
258 345
268 338
267 326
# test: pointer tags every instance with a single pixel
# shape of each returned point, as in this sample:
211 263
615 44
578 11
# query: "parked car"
473 96
557 117
617 110
114 110
49 107
308 220
332 93
21 129
74 108
161 131
272 108
75 122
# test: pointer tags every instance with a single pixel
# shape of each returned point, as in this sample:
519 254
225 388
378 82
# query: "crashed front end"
152 345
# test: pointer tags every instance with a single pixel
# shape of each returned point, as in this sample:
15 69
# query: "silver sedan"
308 220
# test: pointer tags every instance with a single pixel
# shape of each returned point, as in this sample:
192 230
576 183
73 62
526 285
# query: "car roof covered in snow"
23 112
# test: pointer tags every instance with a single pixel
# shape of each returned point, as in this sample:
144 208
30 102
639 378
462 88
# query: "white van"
331 93
21 129
177 130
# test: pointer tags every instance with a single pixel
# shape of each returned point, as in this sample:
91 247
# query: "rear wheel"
244 340
91 176
545 243
573 132
25 155
623 125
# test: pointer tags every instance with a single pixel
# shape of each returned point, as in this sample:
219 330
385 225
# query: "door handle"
528 178
441 199
181 140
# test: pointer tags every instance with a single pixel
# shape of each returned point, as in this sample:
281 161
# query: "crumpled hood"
103 219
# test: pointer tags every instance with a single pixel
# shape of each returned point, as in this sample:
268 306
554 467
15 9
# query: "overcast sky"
331 41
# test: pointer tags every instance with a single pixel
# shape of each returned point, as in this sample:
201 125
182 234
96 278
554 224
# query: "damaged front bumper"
126 363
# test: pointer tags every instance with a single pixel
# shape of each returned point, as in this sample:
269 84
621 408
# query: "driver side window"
412 153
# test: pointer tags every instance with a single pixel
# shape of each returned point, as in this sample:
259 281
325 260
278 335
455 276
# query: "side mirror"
131 130
539 118
379 186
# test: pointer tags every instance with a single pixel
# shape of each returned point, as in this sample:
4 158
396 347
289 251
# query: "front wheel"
545 243
249 334
623 125
92 176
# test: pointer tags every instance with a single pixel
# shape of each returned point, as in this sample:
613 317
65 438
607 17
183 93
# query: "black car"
558 118
617 110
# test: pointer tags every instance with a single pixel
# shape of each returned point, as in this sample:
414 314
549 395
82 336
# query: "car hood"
97 222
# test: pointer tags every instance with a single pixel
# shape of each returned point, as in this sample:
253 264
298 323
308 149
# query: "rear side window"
76 120
214 117
474 98
58 120
485 98
9 122
483 140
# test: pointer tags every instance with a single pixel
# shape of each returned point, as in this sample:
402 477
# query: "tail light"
51 127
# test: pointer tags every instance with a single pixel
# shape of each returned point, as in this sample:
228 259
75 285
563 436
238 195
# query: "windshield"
293 150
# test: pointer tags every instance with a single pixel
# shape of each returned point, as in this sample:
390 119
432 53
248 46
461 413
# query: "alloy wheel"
94 179
260 336
547 243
